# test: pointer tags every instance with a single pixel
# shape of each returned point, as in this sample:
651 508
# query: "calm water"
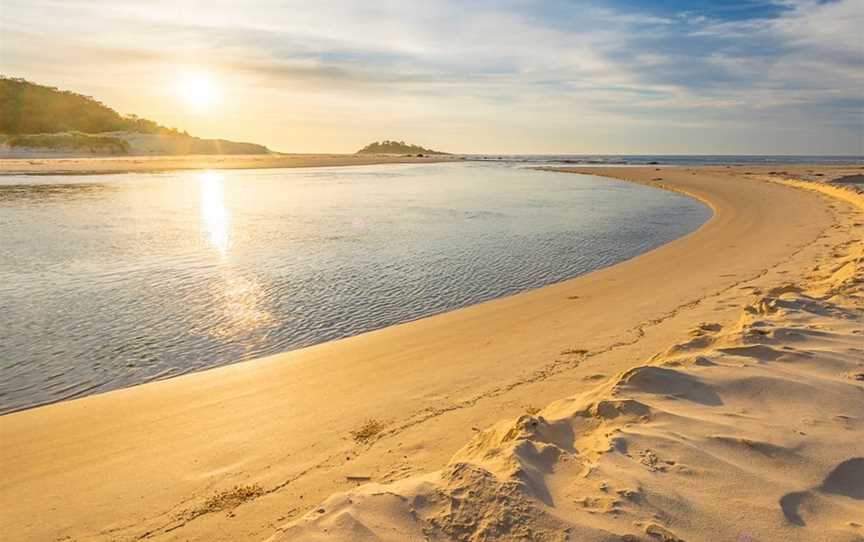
672 159
108 281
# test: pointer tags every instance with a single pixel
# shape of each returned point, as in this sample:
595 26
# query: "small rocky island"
396 147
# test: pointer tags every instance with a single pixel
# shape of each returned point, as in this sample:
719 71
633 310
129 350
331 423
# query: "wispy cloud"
623 75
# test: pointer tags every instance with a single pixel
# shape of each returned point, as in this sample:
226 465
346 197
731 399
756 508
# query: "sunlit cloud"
482 76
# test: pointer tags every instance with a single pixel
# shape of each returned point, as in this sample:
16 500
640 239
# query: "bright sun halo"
198 90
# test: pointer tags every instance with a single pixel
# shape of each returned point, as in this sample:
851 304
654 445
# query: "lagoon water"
113 280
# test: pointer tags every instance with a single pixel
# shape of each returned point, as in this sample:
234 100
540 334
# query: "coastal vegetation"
395 147
30 108
48 120
76 141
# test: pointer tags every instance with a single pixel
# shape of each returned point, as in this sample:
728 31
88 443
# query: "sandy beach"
711 389
149 164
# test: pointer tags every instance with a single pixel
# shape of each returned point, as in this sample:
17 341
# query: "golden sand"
707 390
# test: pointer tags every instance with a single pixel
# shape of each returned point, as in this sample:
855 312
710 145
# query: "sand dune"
713 392
748 433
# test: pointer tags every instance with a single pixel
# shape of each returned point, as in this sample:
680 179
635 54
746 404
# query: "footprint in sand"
671 383
846 479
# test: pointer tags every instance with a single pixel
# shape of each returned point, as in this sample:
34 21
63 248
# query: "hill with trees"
39 118
30 108
395 147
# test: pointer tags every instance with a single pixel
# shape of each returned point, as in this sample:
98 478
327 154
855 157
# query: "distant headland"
38 120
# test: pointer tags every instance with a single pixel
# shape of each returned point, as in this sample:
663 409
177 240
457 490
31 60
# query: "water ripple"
111 281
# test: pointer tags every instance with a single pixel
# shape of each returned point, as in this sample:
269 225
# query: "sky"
506 76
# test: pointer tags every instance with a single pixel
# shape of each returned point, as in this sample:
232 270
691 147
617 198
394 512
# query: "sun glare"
198 91
215 221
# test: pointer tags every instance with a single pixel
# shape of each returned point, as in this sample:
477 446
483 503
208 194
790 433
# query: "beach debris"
367 432
225 500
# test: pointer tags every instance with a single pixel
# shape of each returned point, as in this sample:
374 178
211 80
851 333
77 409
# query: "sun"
198 90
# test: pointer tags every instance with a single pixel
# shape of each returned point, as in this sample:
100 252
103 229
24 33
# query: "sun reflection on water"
240 314
214 216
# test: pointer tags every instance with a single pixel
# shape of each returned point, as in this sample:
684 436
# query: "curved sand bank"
749 431
160 460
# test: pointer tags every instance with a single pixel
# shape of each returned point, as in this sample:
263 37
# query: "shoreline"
103 165
283 424
161 164
92 387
